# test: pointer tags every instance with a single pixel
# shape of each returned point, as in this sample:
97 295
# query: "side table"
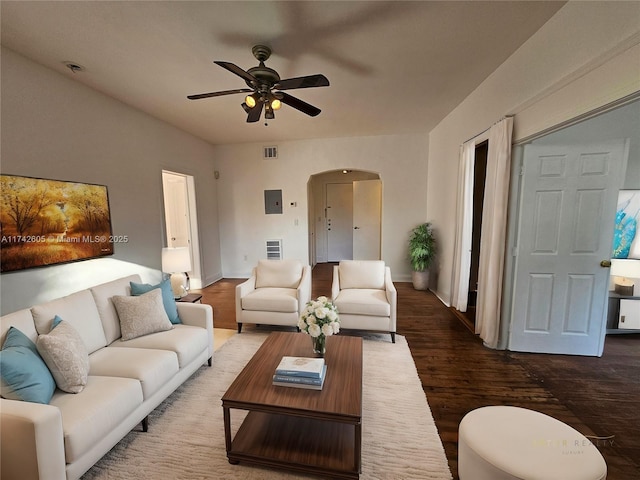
190 298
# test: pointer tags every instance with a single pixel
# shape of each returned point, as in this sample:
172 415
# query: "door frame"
317 238
195 276
515 186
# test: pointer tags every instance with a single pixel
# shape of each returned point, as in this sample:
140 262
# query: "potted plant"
422 250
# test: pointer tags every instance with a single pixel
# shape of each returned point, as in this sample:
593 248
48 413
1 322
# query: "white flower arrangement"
319 318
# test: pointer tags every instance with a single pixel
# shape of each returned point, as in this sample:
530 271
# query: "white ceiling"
394 67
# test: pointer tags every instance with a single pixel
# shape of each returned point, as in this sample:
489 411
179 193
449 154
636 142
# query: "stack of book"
301 372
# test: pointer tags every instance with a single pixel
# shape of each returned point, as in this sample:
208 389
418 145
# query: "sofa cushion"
361 274
22 320
185 340
363 301
271 300
23 373
168 299
79 309
89 416
102 295
64 352
153 368
278 273
141 315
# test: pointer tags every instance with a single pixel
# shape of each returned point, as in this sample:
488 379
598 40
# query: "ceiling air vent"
270 152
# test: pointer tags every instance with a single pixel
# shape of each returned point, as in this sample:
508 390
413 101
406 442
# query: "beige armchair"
276 293
365 296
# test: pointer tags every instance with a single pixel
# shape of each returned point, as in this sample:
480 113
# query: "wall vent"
270 152
274 249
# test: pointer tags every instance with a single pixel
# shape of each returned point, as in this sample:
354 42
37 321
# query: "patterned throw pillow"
141 315
64 352
24 375
167 297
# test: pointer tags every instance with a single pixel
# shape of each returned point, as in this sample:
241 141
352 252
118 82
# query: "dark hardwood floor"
597 396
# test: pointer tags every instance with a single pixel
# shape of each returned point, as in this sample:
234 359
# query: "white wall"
400 160
56 128
584 57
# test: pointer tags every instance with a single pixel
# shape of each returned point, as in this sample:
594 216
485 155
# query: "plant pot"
420 279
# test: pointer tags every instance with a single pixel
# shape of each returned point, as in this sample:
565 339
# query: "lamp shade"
176 259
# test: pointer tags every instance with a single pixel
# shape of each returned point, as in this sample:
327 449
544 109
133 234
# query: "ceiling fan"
262 81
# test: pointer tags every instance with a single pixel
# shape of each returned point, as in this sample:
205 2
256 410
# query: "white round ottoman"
512 443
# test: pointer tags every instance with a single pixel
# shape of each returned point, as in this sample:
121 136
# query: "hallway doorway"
181 222
345 216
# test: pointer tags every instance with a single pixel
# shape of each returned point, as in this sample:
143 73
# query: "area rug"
186 432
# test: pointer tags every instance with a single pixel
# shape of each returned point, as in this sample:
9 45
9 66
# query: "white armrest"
335 285
303 291
31 441
198 315
392 296
243 290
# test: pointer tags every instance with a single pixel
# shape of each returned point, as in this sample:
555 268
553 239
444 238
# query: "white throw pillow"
141 315
66 356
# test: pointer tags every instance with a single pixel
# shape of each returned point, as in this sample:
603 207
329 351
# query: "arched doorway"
345 211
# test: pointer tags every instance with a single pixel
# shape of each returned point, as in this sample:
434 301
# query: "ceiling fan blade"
298 104
237 70
218 94
303 82
255 112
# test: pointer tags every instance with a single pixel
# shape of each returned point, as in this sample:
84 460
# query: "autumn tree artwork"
46 222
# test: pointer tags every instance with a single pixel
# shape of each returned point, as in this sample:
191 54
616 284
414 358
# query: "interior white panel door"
367 205
339 221
176 209
567 210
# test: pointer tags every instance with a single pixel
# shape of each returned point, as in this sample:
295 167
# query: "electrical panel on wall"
272 201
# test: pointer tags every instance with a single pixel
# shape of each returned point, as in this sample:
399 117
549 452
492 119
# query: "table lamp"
177 262
624 271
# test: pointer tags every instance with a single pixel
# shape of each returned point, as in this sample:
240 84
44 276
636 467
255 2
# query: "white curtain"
464 226
494 232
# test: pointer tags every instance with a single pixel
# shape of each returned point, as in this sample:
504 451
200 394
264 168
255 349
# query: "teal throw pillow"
24 375
167 297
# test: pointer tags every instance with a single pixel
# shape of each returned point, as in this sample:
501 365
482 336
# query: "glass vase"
319 345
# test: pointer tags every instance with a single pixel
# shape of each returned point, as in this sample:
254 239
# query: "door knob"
356 228
605 263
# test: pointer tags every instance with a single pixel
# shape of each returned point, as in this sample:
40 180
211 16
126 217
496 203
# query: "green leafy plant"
422 247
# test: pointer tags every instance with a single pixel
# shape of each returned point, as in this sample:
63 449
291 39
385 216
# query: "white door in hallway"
176 210
339 221
567 211
181 221
367 205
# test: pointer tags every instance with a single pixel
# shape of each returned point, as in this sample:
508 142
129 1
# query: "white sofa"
365 296
275 294
126 381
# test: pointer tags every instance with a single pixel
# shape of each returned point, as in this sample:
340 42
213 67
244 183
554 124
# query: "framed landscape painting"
47 222
626 234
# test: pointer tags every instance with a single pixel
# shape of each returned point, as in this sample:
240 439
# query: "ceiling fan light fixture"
276 104
250 101
268 111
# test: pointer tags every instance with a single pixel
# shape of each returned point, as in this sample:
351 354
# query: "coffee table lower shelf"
298 443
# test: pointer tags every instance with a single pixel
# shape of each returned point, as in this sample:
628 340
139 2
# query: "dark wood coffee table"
312 431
